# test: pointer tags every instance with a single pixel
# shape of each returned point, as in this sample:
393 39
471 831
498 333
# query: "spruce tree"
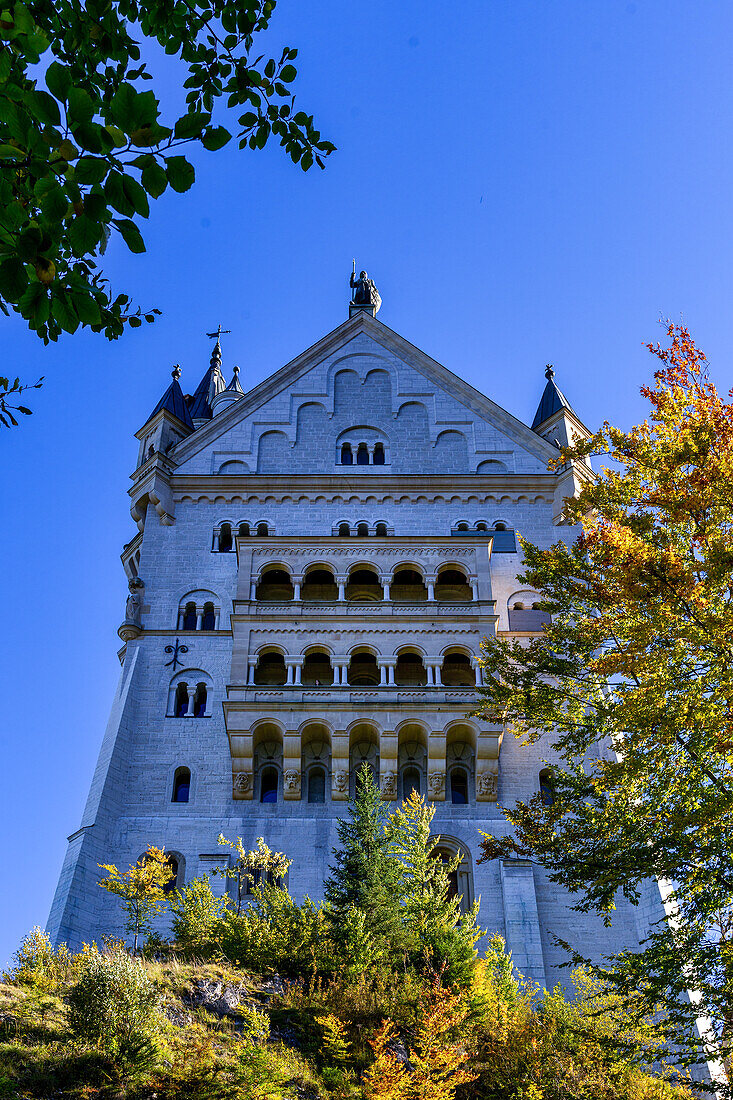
366 875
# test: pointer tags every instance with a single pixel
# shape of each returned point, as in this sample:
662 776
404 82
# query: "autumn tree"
634 679
141 889
258 865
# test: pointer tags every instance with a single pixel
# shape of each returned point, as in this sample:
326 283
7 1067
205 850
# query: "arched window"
268 785
362 455
378 454
410 670
181 705
225 538
408 586
457 670
500 527
344 530
362 530
451 586
481 527
317 671
181 785
381 530
175 865
244 530
363 671
363 586
199 701
319 586
208 621
275 585
262 530
547 787
347 457
271 670
316 785
189 617
459 787
410 782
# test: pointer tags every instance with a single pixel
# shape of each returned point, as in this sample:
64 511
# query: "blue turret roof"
552 400
174 402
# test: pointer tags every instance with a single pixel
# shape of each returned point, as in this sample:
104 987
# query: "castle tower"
317 560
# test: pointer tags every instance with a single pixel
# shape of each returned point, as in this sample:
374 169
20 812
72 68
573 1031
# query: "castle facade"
316 563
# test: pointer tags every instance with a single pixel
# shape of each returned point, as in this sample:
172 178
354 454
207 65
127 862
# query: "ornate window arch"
192 688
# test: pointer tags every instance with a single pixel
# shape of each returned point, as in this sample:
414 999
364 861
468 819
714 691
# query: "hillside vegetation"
377 994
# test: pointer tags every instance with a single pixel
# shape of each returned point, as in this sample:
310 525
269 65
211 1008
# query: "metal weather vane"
175 650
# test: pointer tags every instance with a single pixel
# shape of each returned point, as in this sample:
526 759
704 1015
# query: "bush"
276 934
36 963
115 1007
196 911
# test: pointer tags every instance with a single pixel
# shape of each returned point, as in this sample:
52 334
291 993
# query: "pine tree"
366 875
446 937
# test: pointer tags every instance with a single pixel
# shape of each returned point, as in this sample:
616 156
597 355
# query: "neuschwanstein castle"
316 563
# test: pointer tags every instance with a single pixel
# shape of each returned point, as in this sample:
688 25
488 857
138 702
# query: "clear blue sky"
526 181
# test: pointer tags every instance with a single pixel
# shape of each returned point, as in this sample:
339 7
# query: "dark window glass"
268 785
362 530
347 458
225 538
410 782
181 707
344 530
209 617
381 530
379 454
458 787
189 617
199 701
316 785
243 530
547 787
362 455
181 785
261 530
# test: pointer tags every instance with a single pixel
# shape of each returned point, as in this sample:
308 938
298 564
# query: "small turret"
169 423
555 419
224 398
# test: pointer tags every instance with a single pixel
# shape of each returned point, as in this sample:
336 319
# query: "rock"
218 997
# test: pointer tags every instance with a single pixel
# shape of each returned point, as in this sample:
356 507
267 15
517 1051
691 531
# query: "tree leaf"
180 173
130 234
154 179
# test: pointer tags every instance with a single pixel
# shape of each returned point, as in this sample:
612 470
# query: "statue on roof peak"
364 290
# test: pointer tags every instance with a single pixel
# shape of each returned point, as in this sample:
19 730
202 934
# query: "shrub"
115 1007
255 1024
196 911
275 933
37 964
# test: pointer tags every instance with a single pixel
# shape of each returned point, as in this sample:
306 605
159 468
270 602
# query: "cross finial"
176 372
549 371
218 333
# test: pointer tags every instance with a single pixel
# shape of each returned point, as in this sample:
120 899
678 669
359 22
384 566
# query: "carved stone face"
488 783
389 783
292 780
341 781
243 782
436 782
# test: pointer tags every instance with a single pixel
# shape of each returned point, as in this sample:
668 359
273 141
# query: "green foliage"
115 1007
84 146
10 389
366 875
195 914
141 889
445 937
274 933
260 864
633 677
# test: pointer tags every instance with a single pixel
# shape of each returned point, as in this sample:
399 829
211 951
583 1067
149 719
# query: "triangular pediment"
365 386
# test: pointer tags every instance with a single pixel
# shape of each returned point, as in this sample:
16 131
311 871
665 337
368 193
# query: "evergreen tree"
446 937
366 875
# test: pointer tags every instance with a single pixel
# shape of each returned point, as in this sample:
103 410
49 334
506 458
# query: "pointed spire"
210 385
552 400
174 402
234 386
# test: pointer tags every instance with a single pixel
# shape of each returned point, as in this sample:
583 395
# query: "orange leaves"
437 1062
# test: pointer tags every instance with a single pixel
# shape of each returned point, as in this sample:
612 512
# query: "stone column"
191 696
217 532
199 617
291 766
298 663
474 588
391 663
430 582
181 616
253 588
437 666
217 616
478 671
341 582
382 671
521 919
251 666
385 583
388 769
297 581
290 669
340 766
436 766
429 671
339 671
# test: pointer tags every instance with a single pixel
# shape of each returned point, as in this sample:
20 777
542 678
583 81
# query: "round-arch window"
316 785
268 785
181 785
458 787
500 527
